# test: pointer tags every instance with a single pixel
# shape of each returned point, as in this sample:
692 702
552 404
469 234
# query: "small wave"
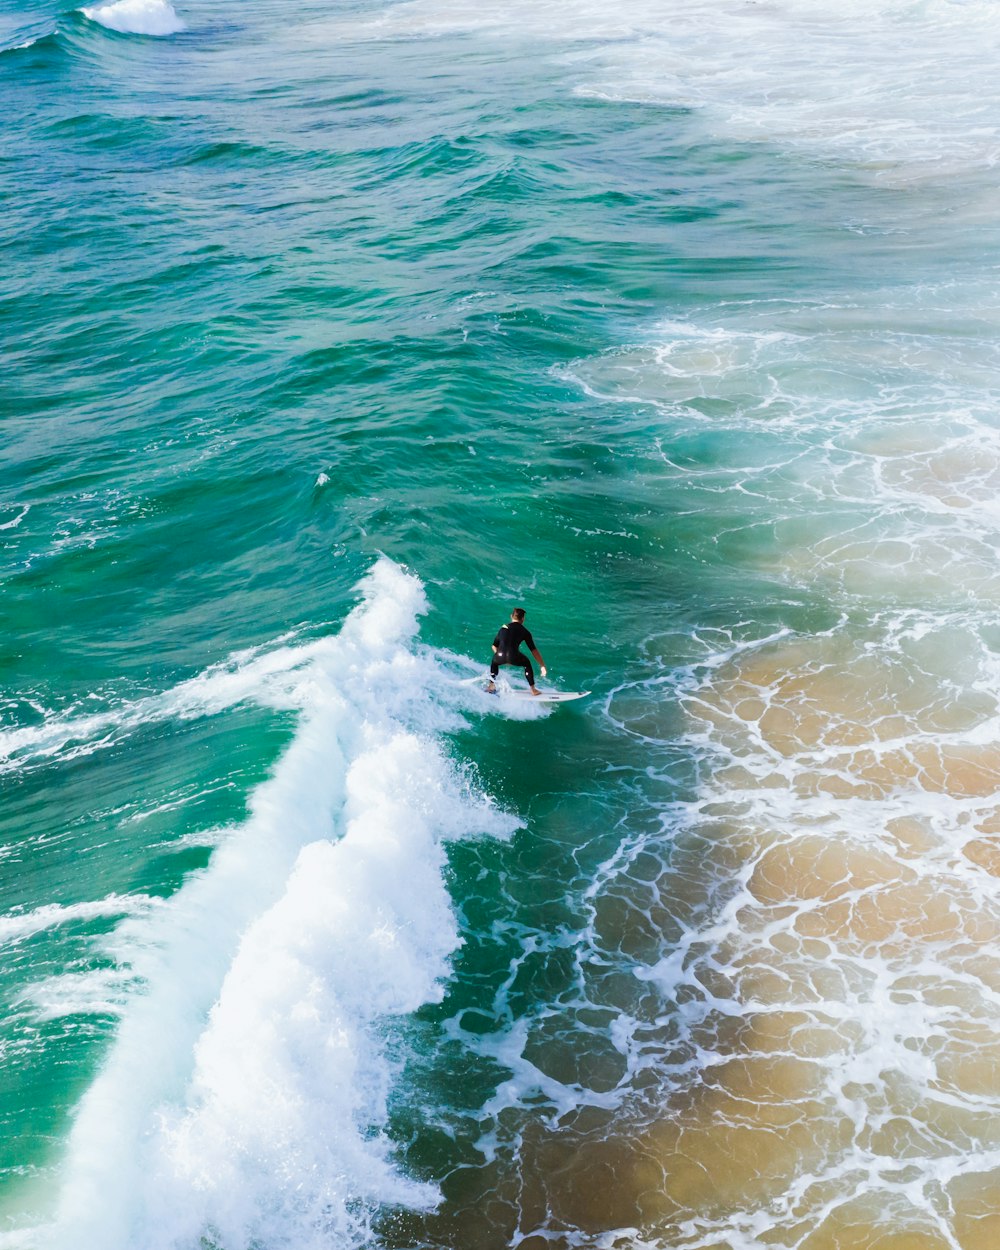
236 151
21 46
137 17
24 37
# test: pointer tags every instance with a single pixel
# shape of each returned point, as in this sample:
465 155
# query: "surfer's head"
517 614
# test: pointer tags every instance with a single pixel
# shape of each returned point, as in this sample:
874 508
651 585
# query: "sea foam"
16 926
137 17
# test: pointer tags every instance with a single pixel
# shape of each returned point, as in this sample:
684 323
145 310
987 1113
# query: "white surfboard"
547 696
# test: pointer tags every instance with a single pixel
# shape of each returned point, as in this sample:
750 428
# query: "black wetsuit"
508 649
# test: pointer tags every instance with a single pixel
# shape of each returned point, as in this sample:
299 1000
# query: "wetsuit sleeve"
496 640
529 640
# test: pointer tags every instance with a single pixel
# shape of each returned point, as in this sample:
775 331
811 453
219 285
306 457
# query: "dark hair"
518 614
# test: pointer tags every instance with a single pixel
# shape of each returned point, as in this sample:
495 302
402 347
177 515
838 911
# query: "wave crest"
137 17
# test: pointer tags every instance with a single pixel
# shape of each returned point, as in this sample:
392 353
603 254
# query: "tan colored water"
849 1076
836 1058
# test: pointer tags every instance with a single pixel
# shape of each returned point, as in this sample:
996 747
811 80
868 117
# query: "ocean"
331 332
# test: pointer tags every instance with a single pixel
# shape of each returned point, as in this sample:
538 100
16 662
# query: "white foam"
100 992
16 926
25 508
246 1091
137 17
26 1239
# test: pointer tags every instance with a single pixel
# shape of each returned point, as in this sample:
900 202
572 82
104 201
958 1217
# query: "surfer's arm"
538 656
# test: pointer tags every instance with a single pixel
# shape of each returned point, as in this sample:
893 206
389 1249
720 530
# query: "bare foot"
491 688
534 691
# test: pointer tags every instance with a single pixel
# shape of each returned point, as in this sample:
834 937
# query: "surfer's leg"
529 673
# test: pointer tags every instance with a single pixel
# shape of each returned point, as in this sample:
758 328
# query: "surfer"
507 650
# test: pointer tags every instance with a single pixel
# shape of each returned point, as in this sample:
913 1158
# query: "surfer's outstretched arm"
541 663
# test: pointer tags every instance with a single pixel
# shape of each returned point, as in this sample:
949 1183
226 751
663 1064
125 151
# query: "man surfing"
507 650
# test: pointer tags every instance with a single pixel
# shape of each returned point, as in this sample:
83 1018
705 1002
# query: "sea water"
330 333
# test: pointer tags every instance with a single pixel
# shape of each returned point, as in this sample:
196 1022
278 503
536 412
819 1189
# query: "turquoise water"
328 336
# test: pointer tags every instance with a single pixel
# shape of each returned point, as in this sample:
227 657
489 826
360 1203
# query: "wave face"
245 1091
331 336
